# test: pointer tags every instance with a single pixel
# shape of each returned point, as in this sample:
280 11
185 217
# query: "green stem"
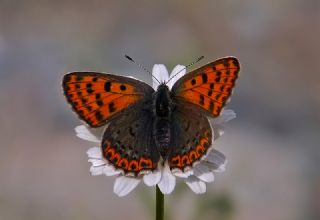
159 204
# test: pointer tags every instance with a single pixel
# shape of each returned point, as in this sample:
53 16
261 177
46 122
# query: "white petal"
160 72
152 179
226 115
109 170
83 132
168 181
96 162
95 171
216 160
175 70
179 173
203 173
197 186
218 130
124 185
217 123
216 157
221 168
95 153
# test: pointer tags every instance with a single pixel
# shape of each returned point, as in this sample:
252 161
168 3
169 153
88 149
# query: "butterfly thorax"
162 113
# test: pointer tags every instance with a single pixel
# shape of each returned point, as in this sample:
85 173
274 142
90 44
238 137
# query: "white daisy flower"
196 178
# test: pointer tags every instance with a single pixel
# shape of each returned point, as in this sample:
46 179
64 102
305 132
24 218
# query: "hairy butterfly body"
147 127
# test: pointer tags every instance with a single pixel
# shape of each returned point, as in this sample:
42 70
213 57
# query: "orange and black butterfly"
144 126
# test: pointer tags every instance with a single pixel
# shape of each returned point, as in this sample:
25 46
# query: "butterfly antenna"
141 67
187 66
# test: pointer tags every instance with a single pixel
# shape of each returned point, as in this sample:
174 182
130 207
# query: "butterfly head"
163 86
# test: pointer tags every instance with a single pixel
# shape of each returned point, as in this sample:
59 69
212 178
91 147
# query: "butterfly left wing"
128 143
97 97
210 86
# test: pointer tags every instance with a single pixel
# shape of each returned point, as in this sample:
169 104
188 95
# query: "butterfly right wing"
128 142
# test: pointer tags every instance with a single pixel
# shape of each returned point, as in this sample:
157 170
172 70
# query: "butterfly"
144 127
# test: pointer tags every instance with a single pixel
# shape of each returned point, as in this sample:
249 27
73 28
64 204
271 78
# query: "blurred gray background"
272 146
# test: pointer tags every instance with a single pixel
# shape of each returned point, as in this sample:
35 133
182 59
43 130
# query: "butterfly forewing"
210 86
96 97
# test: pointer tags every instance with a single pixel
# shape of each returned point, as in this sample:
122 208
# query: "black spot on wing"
79 78
89 91
99 116
107 86
123 87
201 100
211 105
111 107
204 78
98 96
84 100
99 103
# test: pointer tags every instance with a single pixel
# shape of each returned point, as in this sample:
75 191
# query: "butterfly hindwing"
128 143
209 87
192 136
96 97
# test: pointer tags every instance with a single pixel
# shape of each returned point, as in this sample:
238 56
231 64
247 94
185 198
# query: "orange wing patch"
124 162
96 97
194 154
209 86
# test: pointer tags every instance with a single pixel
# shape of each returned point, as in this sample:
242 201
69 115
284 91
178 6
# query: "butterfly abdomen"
162 136
162 112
